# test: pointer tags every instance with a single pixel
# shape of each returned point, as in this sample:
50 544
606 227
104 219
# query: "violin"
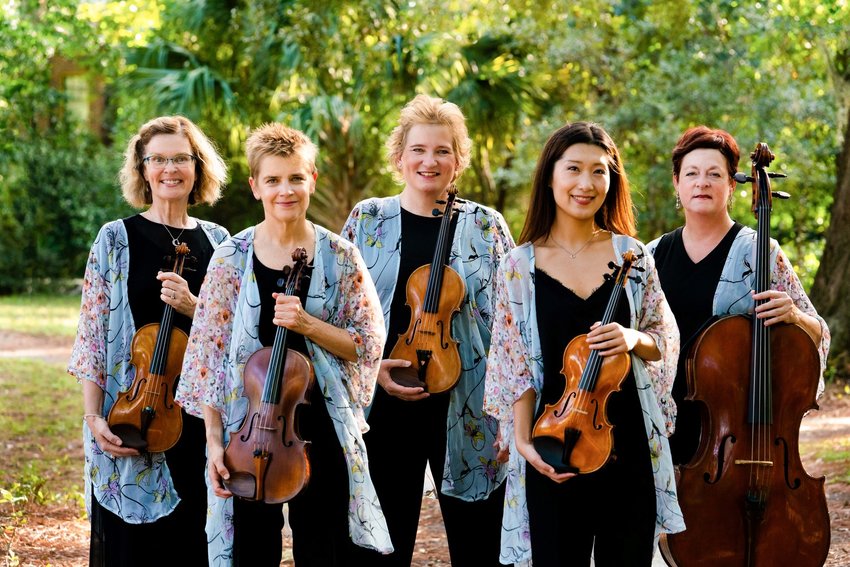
435 293
146 417
746 498
267 458
574 434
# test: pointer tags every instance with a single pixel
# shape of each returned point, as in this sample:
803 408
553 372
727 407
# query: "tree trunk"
831 288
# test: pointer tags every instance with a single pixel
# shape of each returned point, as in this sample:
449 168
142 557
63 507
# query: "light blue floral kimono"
471 471
737 280
137 489
225 334
515 365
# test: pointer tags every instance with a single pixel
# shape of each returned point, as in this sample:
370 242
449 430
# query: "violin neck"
163 338
594 362
440 261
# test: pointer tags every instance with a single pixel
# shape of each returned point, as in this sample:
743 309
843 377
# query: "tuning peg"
436 212
781 194
774 175
613 265
743 178
440 202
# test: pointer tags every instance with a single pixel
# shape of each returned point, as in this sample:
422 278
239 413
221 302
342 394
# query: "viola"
746 498
267 458
435 293
574 434
146 417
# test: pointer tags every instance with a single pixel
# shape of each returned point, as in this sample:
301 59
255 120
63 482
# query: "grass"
54 315
40 430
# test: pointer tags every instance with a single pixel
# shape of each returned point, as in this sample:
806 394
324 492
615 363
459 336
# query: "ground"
57 534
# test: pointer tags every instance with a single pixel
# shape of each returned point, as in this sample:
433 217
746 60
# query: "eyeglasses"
159 162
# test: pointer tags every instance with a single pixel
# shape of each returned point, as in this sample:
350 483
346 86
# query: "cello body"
724 525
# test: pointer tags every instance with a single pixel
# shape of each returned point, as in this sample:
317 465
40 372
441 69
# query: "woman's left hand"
175 292
778 307
289 313
612 338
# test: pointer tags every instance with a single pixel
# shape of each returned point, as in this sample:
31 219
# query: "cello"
435 293
574 434
267 458
746 498
146 417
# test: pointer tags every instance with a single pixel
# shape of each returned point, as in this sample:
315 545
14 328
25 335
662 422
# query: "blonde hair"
275 139
210 169
424 109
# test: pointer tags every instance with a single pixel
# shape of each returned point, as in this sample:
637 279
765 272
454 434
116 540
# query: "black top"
418 242
151 251
689 287
271 281
561 316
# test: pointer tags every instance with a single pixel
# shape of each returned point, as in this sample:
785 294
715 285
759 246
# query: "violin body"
267 458
428 343
574 434
145 417
740 513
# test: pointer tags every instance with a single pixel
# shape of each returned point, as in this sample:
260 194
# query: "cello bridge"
758 463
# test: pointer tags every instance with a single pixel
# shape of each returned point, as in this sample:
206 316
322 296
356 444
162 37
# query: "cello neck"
441 256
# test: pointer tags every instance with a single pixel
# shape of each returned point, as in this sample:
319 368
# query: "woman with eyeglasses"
138 501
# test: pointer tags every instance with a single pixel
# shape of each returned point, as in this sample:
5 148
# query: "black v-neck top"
689 286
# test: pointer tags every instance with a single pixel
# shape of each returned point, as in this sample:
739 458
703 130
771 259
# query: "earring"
678 201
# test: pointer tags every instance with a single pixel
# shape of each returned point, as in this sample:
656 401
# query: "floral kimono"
732 296
225 334
515 365
471 471
137 489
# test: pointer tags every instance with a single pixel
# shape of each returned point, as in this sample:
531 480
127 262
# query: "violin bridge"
758 463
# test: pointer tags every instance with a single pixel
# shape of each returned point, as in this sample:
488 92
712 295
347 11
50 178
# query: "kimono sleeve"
207 361
656 319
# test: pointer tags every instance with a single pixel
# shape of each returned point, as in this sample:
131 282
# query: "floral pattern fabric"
515 365
737 280
482 238
137 489
225 334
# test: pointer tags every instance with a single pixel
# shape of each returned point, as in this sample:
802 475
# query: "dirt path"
57 534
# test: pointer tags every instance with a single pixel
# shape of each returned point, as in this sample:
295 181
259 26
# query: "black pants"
403 437
610 512
177 539
318 515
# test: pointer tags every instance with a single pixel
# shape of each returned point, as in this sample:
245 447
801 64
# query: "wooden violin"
267 458
574 434
146 417
746 498
435 293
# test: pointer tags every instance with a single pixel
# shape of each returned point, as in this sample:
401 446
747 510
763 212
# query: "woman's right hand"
532 457
392 387
107 441
218 472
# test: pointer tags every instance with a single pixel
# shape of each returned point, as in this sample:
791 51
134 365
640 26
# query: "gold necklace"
573 255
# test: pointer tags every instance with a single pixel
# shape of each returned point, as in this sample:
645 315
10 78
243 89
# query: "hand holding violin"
613 338
395 389
108 441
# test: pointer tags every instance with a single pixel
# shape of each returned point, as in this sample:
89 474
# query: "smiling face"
704 185
580 181
428 162
284 186
170 182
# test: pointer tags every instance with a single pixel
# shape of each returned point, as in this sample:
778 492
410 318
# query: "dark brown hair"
617 212
703 137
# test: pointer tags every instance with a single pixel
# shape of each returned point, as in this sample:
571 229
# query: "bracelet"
87 415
